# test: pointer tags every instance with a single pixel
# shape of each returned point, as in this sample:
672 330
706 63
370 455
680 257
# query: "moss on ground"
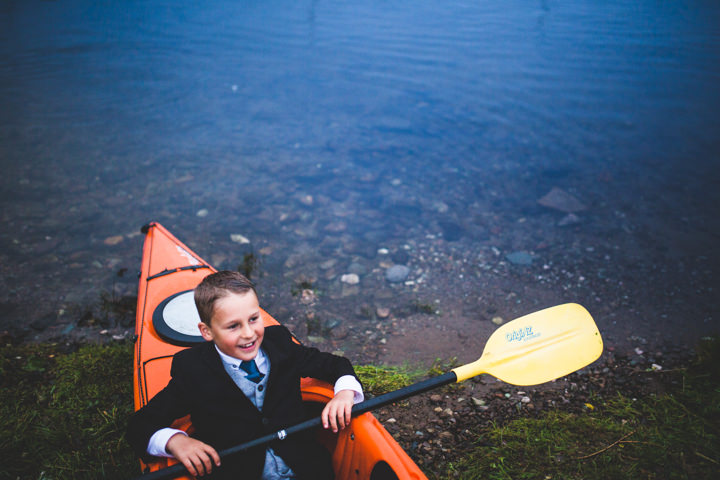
62 415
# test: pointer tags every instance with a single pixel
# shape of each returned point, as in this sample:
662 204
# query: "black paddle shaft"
359 409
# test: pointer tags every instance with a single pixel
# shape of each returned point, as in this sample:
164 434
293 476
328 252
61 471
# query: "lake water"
326 131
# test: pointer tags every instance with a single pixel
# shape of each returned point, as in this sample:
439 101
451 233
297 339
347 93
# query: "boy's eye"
254 319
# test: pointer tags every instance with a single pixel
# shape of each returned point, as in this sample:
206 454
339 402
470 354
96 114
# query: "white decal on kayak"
186 254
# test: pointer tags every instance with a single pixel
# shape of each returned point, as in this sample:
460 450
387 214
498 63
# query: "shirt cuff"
158 442
348 382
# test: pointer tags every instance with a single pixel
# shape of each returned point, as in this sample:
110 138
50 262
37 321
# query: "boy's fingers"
190 467
215 456
324 416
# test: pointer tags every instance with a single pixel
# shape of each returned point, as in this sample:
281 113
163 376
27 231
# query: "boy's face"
236 326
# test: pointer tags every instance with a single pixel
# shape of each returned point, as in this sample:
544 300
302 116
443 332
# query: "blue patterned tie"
254 374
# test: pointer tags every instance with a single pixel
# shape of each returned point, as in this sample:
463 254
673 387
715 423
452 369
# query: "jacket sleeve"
171 403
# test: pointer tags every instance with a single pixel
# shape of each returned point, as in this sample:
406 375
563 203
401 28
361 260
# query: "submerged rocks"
519 258
397 273
559 199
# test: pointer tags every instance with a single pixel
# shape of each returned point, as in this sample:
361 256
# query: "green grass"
671 436
63 415
377 380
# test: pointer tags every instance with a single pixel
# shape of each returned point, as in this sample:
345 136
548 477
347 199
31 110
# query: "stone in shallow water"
519 258
238 238
114 240
559 199
350 279
397 273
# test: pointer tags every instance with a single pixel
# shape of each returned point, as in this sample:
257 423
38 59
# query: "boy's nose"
246 331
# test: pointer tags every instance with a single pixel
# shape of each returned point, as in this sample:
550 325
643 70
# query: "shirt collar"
260 359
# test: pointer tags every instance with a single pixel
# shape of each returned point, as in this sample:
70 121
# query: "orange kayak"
167 323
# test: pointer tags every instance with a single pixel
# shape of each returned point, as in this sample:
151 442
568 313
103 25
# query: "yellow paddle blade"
539 347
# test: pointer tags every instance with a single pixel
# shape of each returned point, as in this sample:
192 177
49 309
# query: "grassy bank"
62 415
675 435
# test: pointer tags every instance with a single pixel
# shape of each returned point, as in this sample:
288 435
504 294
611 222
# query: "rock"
114 240
478 402
569 219
519 258
357 268
390 420
307 296
237 238
498 320
559 199
525 399
437 409
202 213
397 273
382 312
328 264
350 279
383 251
436 398
307 200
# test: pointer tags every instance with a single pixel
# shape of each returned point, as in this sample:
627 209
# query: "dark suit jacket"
223 416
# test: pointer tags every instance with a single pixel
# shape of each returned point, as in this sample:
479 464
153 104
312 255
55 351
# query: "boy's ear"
205 331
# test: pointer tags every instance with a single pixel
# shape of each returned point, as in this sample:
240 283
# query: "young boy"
241 384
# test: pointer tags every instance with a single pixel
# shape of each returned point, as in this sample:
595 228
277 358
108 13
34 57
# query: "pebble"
350 279
390 420
202 213
357 268
328 264
436 398
519 258
237 238
316 339
569 219
397 273
382 312
307 296
525 399
114 240
497 320
559 199
478 402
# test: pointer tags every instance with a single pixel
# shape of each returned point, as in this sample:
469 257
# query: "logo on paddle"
521 335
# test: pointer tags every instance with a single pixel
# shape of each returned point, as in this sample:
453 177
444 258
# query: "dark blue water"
328 130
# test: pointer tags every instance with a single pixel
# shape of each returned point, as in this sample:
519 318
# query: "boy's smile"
236 326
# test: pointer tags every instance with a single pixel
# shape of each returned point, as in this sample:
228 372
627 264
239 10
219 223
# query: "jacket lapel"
216 369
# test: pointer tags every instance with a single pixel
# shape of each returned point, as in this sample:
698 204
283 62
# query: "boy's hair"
217 285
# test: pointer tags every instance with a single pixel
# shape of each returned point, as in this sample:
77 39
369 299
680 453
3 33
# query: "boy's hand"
338 411
198 457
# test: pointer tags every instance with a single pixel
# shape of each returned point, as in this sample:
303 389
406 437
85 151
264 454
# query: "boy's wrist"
158 442
348 382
